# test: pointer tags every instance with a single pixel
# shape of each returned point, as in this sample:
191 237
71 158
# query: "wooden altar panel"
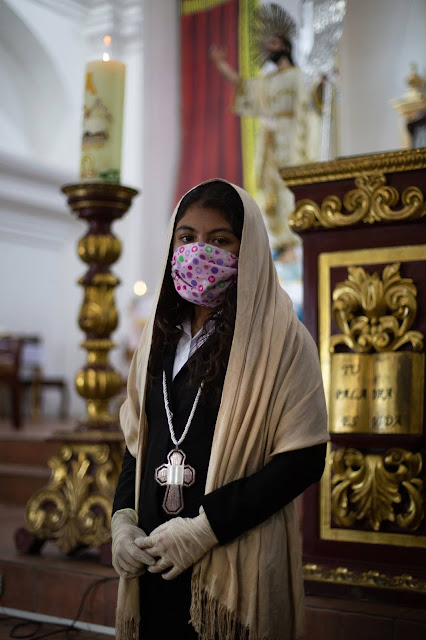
336 234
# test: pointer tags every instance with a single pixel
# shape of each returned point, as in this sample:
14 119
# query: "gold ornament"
361 306
372 392
98 313
99 204
367 488
348 168
343 575
371 202
104 249
74 509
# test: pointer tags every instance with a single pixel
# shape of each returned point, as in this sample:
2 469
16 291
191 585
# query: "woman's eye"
221 240
186 239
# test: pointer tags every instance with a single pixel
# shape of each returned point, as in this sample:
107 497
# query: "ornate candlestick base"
74 509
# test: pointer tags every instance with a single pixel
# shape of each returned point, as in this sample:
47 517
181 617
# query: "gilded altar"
363 225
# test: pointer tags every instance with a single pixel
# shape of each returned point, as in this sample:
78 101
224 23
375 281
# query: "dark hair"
288 47
209 362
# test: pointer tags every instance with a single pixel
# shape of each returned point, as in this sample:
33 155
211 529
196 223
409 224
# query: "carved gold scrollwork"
367 487
361 306
346 168
97 381
372 201
98 313
363 578
74 509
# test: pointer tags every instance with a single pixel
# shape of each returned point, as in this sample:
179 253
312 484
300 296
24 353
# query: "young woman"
225 424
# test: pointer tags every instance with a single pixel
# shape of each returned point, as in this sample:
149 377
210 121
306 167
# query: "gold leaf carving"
373 313
372 201
98 313
370 578
367 487
347 168
74 509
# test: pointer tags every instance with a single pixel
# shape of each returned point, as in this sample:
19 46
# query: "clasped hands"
174 545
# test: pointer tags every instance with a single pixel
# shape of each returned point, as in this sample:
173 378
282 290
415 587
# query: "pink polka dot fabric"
202 273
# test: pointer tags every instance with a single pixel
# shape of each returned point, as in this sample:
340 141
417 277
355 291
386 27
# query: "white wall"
380 40
161 128
38 263
43 92
39 146
45 46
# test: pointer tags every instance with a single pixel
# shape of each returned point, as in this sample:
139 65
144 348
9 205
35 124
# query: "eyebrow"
222 229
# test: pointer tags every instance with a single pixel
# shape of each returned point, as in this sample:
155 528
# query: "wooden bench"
35 385
27 380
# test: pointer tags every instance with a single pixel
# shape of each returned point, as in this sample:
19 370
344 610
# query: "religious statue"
412 107
280 102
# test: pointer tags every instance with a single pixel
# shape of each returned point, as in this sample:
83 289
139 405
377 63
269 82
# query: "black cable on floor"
14 630
66 628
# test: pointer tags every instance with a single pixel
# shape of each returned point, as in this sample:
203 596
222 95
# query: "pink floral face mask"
202 273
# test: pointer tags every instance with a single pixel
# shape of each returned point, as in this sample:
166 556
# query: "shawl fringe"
126 628
127 614
211 619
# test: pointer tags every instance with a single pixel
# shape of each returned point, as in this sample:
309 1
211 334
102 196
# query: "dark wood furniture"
34 386
27 383
365 213
10 364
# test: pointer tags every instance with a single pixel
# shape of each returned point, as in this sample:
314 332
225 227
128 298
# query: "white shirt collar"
188 344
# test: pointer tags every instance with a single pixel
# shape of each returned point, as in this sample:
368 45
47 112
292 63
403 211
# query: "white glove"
128 559
178 544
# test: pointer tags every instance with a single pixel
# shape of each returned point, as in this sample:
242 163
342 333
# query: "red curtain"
211 133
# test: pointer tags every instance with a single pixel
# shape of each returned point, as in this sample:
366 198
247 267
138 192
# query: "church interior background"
365 572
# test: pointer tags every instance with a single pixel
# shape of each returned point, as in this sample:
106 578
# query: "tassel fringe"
126 628
127 615
211 619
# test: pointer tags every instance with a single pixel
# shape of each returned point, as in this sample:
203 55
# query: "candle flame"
107 43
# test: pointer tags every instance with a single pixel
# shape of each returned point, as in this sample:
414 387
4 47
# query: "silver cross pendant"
175 475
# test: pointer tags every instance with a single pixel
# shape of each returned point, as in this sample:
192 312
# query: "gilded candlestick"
99 204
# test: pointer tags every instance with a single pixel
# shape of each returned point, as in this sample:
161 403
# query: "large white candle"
102 121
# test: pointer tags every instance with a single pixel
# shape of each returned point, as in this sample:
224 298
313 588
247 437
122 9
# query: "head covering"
272 20
272 402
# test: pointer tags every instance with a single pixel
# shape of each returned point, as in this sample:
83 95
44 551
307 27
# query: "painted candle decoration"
102 120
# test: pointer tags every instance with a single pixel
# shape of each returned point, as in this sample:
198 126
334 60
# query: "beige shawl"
272 401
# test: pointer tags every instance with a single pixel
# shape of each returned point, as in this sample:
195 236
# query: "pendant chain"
170 415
